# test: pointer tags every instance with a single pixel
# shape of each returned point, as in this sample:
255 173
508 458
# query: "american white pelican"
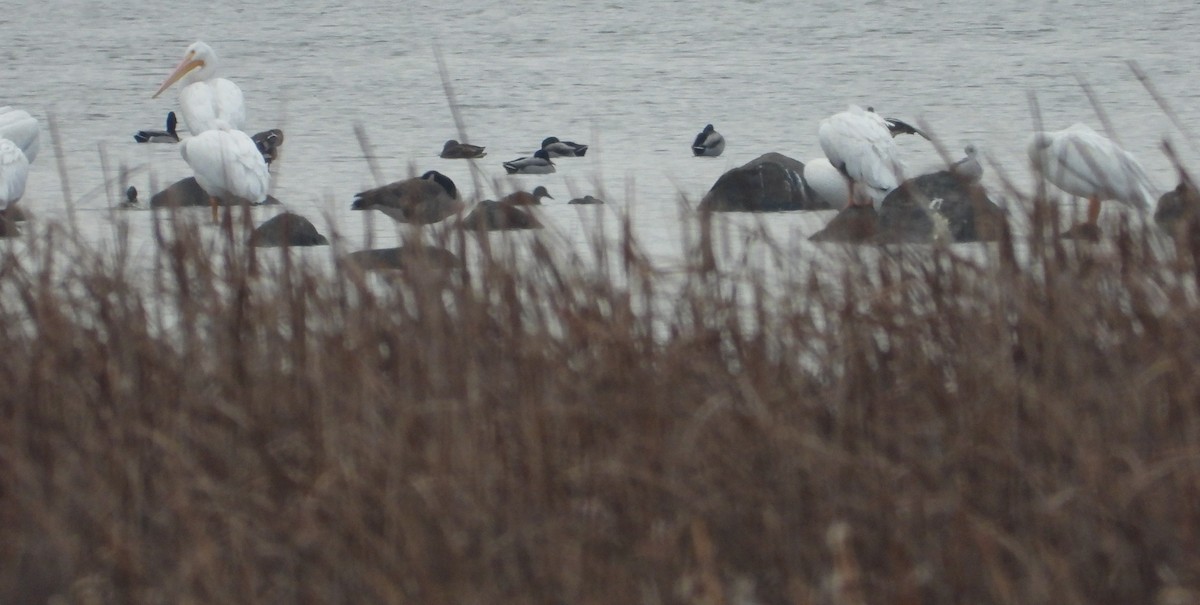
969 167
268 143
453 150
21 128
827 182
19 142
227 165
708 143
14 168
859 144
1084 163
538 163
563 149
525 198
427 199
160 136
205 98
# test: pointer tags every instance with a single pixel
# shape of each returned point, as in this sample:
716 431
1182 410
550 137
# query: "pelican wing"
859 143
204 103
21 128
227 164
1082 162
14 168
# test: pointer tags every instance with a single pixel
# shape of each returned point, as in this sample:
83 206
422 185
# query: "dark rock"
970 215
497 216
911 213
406 258
186 193
771 182
14 214
287 229
856 224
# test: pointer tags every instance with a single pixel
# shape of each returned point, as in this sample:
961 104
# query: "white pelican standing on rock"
19 142
859 144
228 165
205 98
1084 163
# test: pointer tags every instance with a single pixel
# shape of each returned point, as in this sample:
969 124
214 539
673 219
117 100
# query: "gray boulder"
186 193
771 182
287 229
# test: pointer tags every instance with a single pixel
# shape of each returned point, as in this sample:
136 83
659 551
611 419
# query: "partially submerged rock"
186 193
931 207
771 182
287 229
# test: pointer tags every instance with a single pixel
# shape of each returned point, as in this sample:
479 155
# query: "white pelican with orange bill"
205 98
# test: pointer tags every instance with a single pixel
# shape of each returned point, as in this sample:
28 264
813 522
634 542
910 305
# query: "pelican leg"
1089 230
1093 210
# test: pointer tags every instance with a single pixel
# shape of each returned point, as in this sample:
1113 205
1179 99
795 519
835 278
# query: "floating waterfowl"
427 199
587 199
160 136
538 163
526 198
563 149
1082 162
268 143
131 198
453 150
709 143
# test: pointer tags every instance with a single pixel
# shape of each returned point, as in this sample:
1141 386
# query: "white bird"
827 182
538 163
21 128
19 142
1084 163
859 144
968 169
205 98
708 143
227 165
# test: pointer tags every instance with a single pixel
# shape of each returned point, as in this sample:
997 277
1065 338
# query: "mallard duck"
160 136
563 149
538 163
453 150
427 199
525 198
268 143
708 143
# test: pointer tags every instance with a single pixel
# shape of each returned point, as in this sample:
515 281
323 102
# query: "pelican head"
199 63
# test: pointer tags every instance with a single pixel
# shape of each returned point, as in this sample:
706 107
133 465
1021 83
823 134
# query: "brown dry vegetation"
930 430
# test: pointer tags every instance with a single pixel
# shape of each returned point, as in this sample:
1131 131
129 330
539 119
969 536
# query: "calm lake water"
636 80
